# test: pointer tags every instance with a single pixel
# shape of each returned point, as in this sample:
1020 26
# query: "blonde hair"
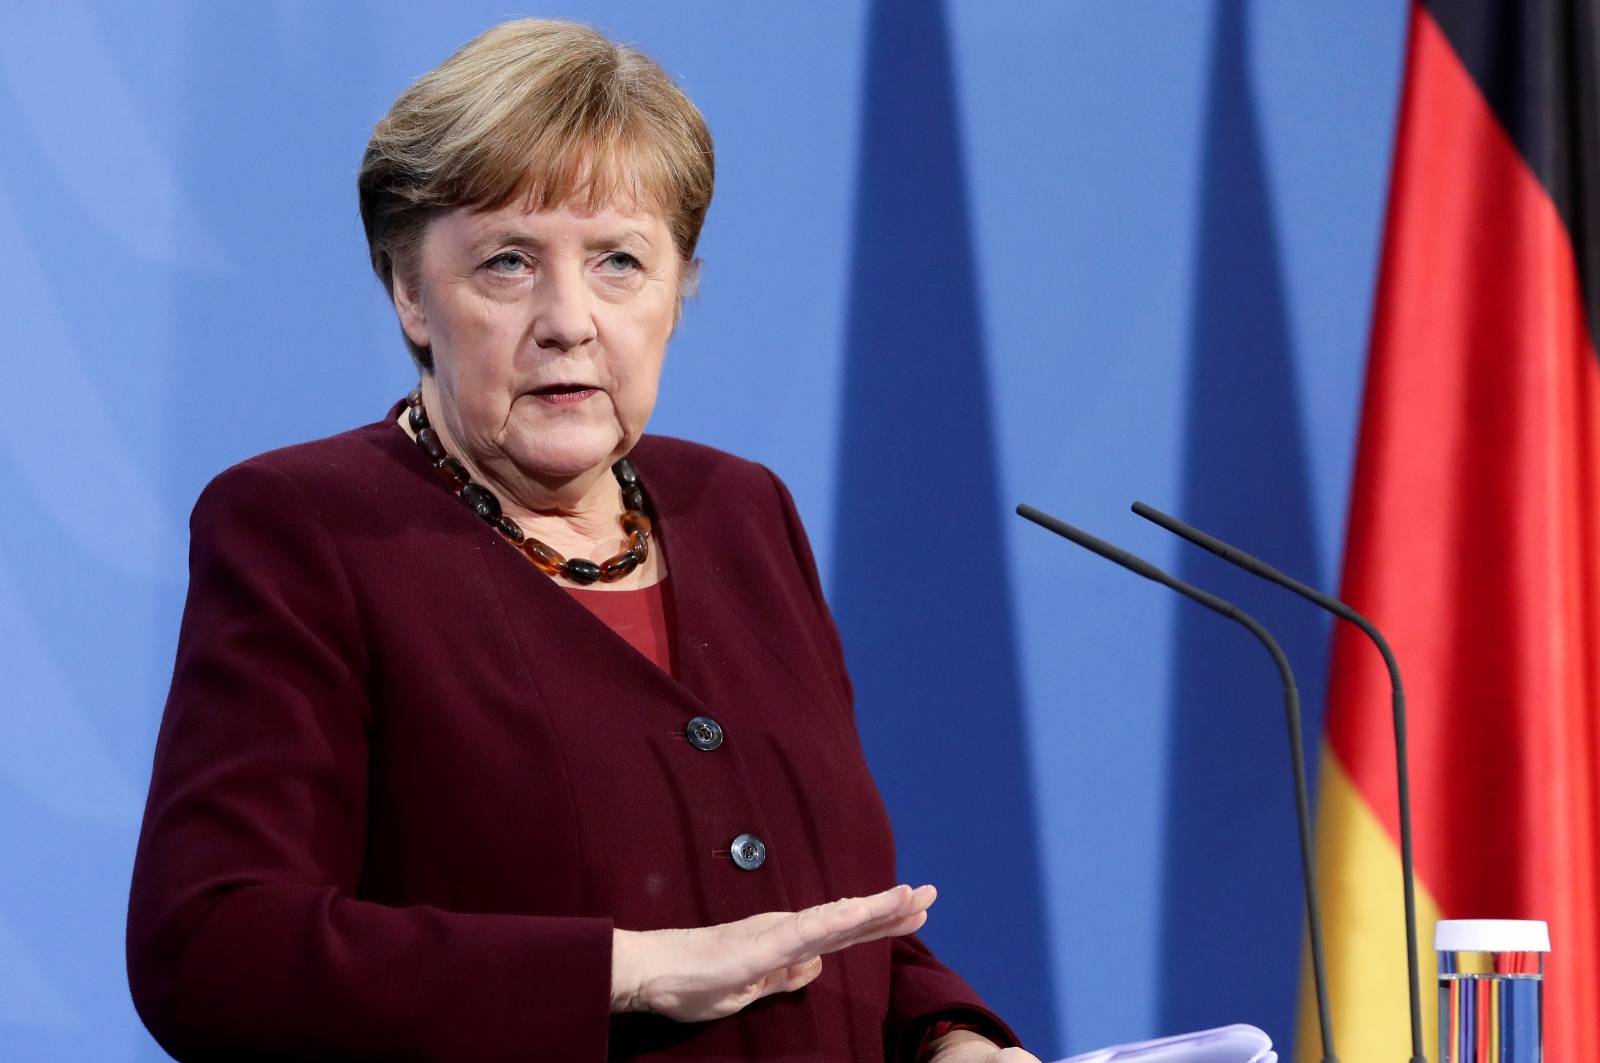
550 111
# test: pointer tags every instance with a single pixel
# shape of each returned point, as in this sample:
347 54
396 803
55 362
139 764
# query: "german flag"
1474 537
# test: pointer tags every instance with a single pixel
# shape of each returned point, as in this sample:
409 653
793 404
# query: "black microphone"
1397 696
1291 708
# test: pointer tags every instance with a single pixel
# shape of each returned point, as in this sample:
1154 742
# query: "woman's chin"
563 446
553 460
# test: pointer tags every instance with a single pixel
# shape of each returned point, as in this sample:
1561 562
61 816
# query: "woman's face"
548 330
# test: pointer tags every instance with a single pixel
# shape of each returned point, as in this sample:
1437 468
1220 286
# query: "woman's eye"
621 262
508 262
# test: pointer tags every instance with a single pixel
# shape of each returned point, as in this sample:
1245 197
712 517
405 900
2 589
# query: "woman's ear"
408 304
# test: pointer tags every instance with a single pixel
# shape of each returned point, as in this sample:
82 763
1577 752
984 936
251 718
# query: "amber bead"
619 566
633 498
547 559
455 472
482 501
509 528
635 522
418 418
580 570
625 474
428 440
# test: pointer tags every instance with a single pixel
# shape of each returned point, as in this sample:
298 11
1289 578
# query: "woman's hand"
964 1046
709 972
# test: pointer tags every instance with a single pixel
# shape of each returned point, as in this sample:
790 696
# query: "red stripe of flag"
1474 540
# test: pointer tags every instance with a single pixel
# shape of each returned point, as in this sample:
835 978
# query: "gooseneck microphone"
1397 696
1291 707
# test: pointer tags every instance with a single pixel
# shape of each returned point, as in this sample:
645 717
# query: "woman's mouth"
564 394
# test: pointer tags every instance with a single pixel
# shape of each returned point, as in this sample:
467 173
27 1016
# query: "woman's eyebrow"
620 236
518 237
522 238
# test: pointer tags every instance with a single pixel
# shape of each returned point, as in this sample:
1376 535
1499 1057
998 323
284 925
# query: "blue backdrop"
961 255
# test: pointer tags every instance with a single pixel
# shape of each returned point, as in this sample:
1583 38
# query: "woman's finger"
801 975
832 931
708 972
788 979
897 927
783 939
848 911
889 926
776 940
909 925
829 927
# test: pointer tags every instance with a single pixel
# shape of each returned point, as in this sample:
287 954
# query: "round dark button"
749 852
704 733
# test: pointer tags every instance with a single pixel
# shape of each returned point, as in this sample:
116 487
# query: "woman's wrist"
627 970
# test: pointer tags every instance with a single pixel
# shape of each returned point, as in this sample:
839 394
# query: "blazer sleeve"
246 938
922 991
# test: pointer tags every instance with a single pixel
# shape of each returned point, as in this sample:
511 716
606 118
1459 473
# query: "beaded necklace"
635 525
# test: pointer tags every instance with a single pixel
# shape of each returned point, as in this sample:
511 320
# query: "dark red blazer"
405 786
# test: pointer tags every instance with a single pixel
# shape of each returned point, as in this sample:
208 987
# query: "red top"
638 616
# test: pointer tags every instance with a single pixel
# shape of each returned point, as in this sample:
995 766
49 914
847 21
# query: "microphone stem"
1302 803
1403 784
1291 706
1250 563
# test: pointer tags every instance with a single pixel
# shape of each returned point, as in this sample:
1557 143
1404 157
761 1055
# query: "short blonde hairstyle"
547 110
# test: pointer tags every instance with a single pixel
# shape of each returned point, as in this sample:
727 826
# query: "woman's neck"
575 518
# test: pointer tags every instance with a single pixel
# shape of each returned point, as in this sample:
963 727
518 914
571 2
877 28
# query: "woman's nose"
564 315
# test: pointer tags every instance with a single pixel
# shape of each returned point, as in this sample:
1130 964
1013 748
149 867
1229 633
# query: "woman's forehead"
573 218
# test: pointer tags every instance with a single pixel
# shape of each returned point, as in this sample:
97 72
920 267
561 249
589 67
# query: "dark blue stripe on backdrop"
919 577
1232 907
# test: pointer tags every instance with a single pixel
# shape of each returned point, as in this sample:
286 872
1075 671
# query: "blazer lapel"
719 633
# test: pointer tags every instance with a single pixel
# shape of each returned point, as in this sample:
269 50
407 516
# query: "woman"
498 729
